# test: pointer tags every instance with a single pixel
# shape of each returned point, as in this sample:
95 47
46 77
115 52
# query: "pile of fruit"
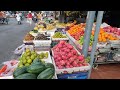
43 55
65 56
33 31
59 35
81 40
50 27
113 30
76 31
37 70
104 36
28 37
41 37
60 25
29 56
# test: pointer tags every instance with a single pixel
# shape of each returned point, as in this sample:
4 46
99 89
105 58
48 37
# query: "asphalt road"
11 37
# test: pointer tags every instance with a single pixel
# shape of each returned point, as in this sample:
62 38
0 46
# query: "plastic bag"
11 66
19 49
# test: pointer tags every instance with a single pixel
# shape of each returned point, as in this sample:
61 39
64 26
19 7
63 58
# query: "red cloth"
29 15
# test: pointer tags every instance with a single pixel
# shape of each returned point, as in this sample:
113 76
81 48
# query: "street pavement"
11 36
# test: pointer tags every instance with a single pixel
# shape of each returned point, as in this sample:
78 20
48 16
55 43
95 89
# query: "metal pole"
89 24
97 29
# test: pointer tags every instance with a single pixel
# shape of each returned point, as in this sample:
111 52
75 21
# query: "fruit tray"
71 70
48 60
42 42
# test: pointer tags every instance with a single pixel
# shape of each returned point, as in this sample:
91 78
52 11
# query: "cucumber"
46 74
36 68
19 71
26 76
49 65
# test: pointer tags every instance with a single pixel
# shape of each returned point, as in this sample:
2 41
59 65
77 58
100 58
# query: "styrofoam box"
42 42
70 70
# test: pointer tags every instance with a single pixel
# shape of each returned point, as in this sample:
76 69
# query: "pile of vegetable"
37 70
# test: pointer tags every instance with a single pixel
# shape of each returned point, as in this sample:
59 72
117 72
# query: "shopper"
29 17
18 18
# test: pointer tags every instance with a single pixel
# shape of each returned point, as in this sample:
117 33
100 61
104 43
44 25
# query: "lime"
28 53
27 64
29 61
28 57
27 50
32 57
24 61
21 65
33 52
35 55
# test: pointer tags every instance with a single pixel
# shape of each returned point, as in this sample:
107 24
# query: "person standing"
29 16
18 18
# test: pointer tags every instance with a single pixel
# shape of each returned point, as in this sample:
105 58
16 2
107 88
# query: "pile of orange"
104 36
75 29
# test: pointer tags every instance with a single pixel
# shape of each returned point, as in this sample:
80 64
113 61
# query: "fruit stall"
54 50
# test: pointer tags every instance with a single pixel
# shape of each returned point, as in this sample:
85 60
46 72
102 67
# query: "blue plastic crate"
76 75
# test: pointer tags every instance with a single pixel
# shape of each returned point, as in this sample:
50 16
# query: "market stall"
53 50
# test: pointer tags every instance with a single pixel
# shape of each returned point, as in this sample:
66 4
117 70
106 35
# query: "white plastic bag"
19 50
11 66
